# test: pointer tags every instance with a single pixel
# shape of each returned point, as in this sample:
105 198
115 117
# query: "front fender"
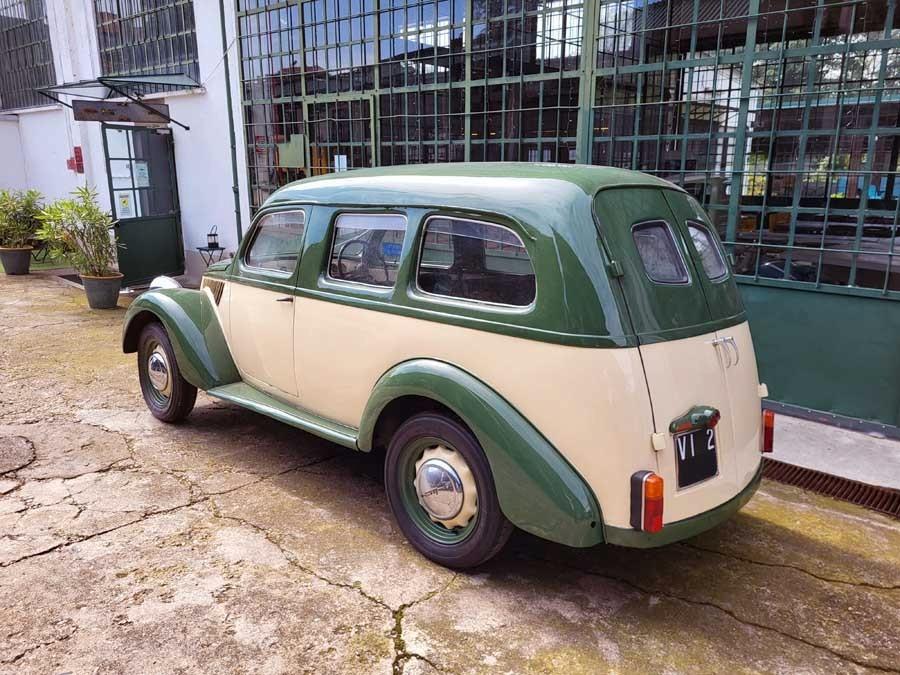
194 331
538 490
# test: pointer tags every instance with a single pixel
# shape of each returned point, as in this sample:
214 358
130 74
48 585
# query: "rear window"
659 254
708 248
472 260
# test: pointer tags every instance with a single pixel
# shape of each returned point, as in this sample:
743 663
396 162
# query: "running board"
253 399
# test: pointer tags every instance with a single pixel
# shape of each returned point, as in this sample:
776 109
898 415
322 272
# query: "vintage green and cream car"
560 349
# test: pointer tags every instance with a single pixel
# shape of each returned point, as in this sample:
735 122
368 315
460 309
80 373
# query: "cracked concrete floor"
235 544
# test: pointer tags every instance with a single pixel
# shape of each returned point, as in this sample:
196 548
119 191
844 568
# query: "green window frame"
779 116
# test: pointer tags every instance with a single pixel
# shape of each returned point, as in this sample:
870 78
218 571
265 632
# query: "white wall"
46 146
12 165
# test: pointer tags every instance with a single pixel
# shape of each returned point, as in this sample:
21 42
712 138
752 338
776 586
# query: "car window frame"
251 240
679 249
717 245
333 237
468 302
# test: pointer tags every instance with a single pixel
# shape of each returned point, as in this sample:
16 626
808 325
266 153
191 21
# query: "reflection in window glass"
276 245
367 248
26 57
475 261
708 248
658 252
139 38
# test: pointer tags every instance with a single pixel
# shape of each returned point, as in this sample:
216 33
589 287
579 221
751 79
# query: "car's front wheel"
167 394
441 491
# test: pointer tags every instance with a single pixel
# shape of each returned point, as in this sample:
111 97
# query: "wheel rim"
438 490
159 374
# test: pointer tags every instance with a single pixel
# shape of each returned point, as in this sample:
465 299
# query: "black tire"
489 530
180 400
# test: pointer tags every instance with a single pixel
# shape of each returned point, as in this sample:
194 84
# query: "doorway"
140 164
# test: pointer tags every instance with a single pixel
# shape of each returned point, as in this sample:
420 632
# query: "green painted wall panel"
828 352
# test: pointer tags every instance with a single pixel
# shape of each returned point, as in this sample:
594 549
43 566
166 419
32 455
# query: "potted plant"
18 222
80 230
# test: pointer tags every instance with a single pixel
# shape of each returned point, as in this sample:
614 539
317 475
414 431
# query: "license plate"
695 456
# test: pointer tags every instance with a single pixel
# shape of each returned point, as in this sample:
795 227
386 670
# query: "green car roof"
506 187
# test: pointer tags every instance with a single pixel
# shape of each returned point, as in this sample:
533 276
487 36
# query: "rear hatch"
698 359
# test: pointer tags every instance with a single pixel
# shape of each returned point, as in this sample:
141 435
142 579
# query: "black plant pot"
16 260
102 292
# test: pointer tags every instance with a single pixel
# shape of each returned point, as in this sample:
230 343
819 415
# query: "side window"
478 261
366 248
659 253
709 250
277 242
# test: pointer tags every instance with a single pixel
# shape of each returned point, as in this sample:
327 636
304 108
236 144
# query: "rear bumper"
683 529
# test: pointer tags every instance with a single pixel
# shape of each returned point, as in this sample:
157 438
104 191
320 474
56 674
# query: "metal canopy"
113 86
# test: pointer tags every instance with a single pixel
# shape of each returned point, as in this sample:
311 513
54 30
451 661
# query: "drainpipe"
234 168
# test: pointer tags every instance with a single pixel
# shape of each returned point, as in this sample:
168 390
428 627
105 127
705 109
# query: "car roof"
526 192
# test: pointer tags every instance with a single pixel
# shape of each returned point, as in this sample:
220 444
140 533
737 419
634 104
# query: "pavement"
232 543
869 458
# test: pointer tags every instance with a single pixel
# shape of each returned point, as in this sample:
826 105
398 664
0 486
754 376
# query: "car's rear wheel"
167 394
441 491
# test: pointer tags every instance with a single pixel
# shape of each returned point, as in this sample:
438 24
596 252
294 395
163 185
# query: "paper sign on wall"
124 205
141 174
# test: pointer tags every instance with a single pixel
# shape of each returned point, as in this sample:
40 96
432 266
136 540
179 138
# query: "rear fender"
538 490
193 326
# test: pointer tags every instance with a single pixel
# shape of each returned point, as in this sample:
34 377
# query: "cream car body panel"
589 403
261 337
695 370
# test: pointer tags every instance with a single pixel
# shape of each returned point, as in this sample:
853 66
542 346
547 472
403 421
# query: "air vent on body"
215 287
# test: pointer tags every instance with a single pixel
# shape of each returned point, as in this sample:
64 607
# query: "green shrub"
79 230
19 210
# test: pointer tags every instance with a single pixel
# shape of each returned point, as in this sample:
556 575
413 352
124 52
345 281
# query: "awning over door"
132 87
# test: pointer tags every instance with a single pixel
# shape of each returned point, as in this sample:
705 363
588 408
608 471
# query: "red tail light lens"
653 503
768 419
647 501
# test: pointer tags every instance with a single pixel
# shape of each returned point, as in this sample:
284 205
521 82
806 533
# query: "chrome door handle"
737 354
719 342
287 299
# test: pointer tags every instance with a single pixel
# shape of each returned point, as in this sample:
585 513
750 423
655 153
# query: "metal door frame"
170 145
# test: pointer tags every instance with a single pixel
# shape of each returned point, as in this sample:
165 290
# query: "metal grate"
874 497
215 287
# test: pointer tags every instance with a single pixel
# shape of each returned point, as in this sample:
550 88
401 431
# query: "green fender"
193 327
538 489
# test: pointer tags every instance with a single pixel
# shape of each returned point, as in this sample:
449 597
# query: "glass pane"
276 245
475 261
367 248
661 259
708 248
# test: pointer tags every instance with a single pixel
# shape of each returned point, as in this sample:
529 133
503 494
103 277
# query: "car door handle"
287 299
722 342
737 354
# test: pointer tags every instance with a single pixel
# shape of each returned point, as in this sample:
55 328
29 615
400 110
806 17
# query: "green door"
141 169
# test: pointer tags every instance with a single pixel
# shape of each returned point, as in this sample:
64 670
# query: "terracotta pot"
16 260
102 292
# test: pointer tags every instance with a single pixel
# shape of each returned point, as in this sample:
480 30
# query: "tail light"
768 420
646 501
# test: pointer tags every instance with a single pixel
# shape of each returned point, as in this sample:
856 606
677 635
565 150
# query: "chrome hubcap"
445 487
158 371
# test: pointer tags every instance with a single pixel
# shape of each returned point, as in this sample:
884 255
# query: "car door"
262 301
684 369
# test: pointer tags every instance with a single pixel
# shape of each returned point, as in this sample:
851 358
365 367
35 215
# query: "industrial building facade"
781 116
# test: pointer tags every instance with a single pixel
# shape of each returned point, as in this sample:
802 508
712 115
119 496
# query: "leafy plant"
78 229
19 210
